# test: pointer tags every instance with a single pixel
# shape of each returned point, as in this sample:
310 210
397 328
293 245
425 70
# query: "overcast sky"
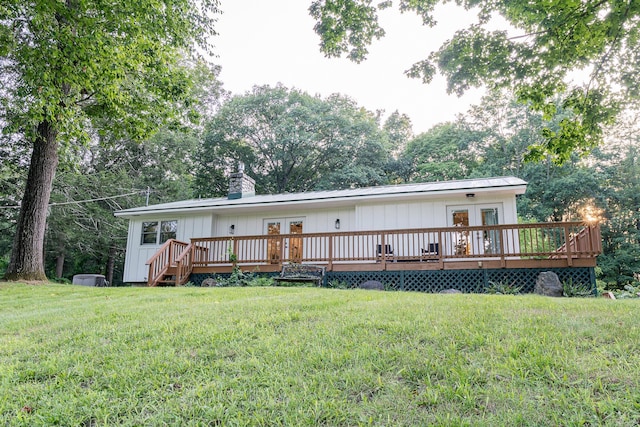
266 42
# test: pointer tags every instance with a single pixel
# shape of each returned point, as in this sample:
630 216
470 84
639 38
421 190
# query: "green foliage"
76 70
337 284
571 289
548 41
61 280
4 262
240 278
629 291
310 356
291 141
443 153
503 288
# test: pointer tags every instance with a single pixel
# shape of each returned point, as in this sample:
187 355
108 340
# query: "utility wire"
83 201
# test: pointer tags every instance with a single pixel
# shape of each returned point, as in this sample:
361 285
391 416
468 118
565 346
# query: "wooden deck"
543 245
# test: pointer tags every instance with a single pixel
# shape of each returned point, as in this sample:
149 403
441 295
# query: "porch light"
337 224
232 229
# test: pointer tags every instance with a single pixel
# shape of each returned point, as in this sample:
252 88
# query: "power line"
81 201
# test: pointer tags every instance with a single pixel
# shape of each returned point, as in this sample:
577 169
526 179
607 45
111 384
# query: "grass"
79 356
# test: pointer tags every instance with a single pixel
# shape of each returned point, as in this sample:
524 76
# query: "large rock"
208 283
548 284
372 284
450 291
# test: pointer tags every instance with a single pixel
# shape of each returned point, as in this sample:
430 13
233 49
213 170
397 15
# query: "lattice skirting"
467 281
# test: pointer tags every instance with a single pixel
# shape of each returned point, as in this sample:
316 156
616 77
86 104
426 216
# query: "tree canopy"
547 42
72 68
292 141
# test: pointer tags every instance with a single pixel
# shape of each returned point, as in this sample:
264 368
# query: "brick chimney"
241 185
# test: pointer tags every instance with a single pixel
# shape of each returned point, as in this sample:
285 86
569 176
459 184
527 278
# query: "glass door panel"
284 249
460 240
491 238
274 246
474 242
295 243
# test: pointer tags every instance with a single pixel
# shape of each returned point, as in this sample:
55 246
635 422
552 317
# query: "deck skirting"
434 281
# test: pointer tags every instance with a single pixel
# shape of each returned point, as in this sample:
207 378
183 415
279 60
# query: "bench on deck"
301 273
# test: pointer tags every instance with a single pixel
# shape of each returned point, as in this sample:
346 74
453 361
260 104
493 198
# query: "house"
454 234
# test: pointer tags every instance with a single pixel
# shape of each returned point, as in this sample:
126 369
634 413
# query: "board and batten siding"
426 214
135 269
314 221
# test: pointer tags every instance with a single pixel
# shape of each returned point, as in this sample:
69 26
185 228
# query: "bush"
336 284
240 278
570 289
4 263
629 291
503 288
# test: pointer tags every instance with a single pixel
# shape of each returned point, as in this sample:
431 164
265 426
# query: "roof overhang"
333 199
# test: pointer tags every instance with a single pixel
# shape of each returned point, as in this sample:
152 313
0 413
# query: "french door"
284 249
467 242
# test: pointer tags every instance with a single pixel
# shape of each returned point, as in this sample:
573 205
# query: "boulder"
548 284
210 282
450 291
372 284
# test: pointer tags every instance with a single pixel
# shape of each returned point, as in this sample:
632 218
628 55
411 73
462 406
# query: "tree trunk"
59 266
111 264
27 260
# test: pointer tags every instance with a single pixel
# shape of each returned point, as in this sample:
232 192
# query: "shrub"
336 284
241 278
503 288
571 289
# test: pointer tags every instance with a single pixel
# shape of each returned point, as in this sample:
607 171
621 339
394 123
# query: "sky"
268 42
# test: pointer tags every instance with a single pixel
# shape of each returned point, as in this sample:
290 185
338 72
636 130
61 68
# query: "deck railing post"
330 254
234 254
443 248
567 244
503 262
383 254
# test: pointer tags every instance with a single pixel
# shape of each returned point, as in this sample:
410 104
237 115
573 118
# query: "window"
149 233
152 234
168 230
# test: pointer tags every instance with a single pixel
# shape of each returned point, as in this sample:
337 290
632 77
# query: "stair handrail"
184 265
164 258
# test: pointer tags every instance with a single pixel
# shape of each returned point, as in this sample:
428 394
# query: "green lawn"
78 356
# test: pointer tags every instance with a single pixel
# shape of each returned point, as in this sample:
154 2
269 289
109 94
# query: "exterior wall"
428 214
135 268
316 221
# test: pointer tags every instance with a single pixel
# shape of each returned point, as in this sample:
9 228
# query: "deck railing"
495 242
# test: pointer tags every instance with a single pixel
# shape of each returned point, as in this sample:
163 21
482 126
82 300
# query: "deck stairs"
168 278
171 265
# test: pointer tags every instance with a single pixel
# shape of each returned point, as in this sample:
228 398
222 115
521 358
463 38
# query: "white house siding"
314 221
427 214
135 268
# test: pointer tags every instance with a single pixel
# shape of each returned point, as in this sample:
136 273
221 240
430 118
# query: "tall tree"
547 41
291 141
67 64
443 153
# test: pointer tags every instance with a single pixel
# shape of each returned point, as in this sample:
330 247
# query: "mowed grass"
78 356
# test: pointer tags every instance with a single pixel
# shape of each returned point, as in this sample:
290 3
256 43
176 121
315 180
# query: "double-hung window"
154 232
